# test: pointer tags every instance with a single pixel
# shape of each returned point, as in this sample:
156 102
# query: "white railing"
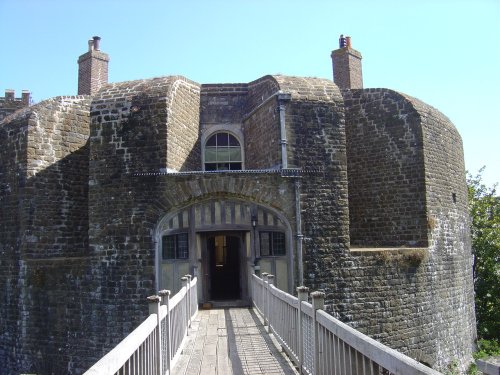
154 346
318 343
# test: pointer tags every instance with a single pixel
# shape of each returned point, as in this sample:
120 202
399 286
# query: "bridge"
279 334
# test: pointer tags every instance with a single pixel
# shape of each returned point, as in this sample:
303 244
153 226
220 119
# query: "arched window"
223 153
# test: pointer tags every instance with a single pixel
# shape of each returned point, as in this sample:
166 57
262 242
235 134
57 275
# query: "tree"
484 208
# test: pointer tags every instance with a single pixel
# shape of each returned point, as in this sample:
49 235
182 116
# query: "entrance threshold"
219 304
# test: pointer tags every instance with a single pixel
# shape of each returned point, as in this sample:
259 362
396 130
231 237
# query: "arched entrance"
222 242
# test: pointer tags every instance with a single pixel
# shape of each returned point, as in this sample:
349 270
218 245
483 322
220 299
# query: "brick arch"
261 189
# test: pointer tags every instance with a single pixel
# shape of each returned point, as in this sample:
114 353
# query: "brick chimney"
26 97
92 69
347 69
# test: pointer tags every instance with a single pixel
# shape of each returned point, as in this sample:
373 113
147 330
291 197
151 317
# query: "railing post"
318 302
302 292
185 285
270 281
165 300
264 297
154 308
189 299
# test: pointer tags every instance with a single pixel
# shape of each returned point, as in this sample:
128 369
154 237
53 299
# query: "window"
175 246
272 243
223 153
220 251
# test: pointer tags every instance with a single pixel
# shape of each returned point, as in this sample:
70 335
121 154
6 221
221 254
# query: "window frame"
230 132
272 241
176 237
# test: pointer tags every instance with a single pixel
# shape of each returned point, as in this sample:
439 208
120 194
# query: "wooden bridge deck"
231 341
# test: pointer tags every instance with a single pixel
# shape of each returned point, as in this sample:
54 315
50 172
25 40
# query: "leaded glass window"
175 246
272 243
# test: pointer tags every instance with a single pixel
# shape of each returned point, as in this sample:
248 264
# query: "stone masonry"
368 187
10 104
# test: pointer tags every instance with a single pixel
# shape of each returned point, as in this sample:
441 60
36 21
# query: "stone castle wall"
48 207
317 144
387 204
95 167
13 138
262 126
10 104
152 124
57 165
449 228
376 289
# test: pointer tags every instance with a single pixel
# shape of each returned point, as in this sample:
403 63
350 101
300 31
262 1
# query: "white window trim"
233 129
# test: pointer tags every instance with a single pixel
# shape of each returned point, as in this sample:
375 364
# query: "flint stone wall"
98 170
44 224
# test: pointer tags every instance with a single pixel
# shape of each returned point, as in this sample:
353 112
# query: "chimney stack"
10 94
26 97
92 68
347 69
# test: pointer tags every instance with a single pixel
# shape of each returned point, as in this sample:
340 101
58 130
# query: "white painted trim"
233 129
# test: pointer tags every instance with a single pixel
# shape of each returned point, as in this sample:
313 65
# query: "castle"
111 195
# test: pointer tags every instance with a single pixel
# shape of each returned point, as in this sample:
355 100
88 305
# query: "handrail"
154 346
318 343
118 356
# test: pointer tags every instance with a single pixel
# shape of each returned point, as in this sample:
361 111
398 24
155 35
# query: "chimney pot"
96 40
342 41
348 41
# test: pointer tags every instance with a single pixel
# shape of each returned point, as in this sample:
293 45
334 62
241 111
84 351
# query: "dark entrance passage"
224 265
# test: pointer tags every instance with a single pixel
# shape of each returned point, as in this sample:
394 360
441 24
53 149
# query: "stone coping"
489 366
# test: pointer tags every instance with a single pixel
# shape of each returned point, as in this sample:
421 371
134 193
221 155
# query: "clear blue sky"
444 52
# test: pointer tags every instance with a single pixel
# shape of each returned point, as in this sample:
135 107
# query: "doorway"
224 267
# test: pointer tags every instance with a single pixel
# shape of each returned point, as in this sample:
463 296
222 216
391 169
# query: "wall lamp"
254 221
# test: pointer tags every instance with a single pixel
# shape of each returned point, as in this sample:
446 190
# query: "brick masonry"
92 72
84 182
347 68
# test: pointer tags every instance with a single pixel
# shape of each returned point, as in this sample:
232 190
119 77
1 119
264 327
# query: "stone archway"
183 245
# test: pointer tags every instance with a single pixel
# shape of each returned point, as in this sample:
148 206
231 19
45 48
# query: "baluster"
318 302
271 304
302 292
186 320
264 297
165 301
188 295
154 308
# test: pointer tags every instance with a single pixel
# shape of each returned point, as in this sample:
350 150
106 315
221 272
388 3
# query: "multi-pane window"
222 153
175 246
272 243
